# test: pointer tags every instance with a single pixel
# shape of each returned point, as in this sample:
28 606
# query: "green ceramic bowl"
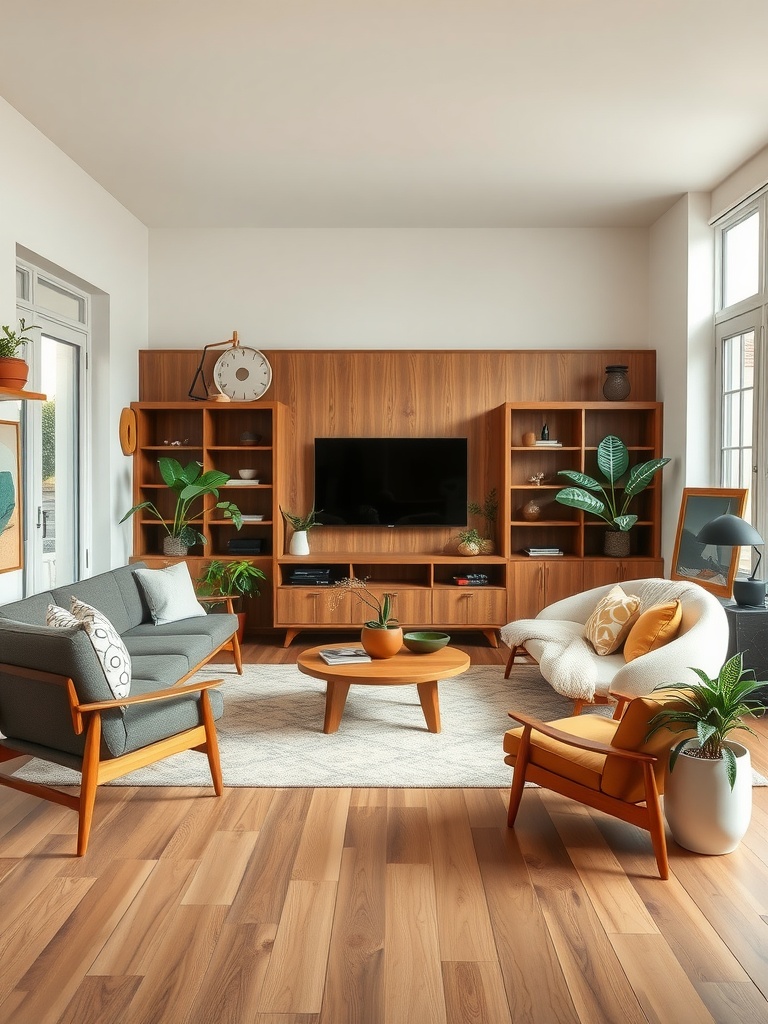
424 642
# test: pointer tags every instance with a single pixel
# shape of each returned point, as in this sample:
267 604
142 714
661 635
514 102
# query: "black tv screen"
391 481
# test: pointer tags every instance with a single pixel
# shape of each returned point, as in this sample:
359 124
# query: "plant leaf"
625 523
582 479
640 476
576 498
612 457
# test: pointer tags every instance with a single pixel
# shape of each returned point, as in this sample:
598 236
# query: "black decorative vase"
616 543
616 386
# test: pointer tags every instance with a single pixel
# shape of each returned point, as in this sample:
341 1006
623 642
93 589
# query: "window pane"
22 283
59 300
748 358
732 363
746 430
741 259
730 477
731 419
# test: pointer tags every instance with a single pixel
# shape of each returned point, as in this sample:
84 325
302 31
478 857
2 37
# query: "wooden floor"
373 907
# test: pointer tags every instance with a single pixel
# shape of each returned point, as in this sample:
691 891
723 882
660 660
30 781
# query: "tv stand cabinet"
422 588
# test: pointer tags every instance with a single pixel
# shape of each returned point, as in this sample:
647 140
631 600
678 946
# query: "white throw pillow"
170 593
113 656
609 624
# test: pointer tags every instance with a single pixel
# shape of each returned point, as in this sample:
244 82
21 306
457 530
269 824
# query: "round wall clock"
244 374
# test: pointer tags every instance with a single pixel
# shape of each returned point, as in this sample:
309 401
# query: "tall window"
743 367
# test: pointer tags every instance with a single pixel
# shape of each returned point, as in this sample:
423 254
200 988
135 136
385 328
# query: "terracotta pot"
13 373
381 643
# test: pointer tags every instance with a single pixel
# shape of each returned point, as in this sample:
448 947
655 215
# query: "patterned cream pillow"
608 625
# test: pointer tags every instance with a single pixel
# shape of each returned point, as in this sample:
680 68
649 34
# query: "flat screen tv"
391 481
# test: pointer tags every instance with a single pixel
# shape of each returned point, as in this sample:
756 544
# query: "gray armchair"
70 717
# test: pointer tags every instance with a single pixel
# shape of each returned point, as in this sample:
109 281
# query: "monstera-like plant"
614 500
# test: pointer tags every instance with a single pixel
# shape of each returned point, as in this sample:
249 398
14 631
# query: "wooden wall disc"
128 431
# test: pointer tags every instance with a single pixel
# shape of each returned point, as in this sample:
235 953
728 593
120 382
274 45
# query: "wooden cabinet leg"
430 705
335 699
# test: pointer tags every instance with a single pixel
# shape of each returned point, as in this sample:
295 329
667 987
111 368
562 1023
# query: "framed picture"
712 567
11 549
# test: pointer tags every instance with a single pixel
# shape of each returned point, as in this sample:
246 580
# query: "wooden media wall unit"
489 397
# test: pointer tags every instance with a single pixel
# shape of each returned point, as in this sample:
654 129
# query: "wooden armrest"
577 741
146 698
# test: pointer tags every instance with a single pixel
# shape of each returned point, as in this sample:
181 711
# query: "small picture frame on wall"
11 548
710 566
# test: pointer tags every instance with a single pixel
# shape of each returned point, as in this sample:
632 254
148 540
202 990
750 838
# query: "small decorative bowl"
247 474
425 642
247 438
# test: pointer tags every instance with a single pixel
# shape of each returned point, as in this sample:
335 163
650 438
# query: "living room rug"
271 733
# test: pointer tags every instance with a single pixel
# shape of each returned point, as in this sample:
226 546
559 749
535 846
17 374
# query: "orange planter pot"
13 373
381 643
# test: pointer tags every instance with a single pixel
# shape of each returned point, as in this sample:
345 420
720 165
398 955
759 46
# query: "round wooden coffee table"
423 670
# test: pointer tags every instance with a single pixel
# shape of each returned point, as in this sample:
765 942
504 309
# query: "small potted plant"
470 542
190 485
382 635
708 793
613 462
236 579
488 512
299 544
14 371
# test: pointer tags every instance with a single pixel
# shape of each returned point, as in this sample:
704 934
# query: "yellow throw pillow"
653 629
608 625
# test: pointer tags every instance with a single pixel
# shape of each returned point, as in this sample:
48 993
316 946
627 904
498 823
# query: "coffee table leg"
430 705
335 699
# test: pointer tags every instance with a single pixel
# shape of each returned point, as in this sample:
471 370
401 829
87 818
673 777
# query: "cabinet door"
526 593
562 578
598 572
410 606
305 606
469 606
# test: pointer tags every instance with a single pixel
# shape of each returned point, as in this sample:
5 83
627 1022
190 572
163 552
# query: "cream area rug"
271 733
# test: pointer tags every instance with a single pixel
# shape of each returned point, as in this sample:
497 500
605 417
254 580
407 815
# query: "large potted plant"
708 792
236 579
14 371
613 462
190 485
382 635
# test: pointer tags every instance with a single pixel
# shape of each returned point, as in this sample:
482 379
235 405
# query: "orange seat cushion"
582 766
654 628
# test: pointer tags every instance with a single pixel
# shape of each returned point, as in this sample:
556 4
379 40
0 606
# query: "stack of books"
344 655
548 444
542 552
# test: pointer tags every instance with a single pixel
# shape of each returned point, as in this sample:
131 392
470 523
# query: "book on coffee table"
344 655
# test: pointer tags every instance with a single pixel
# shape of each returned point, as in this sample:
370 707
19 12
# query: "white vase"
299 543
703 813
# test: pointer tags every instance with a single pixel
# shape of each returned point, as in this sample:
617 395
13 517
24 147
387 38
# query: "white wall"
681 281
48 205
406 288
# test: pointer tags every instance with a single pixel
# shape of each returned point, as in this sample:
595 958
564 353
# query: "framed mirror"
710 566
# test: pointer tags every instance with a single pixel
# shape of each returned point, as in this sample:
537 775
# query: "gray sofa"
53 688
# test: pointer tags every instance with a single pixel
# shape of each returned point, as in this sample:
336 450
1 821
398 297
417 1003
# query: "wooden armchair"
44 717
603 762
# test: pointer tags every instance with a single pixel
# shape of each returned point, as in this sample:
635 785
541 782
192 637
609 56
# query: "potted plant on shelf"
613 462
382 635
14 371
470 542
708 792
299 544
488 511
237 579
190 485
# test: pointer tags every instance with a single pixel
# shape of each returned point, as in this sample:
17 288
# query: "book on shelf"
542 552
548 444
344 655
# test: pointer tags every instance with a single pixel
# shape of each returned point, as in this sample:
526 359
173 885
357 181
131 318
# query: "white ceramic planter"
704 815
299 544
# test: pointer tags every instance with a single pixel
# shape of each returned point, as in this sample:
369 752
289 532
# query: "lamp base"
749 592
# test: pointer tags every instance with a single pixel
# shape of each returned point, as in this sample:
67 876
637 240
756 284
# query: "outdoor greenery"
712 710
49 439
190 485
613 462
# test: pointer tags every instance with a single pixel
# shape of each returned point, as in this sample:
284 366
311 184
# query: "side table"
748 634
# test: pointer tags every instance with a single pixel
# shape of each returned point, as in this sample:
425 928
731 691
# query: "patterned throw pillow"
106 641
608 625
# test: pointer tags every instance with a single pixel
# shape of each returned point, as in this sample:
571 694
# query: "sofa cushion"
163 670
132 594
653 629
32 609
194 648
218 628
170 593
582 766
147 723
610 622
101 592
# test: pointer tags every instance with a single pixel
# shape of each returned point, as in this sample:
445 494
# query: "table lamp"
733 531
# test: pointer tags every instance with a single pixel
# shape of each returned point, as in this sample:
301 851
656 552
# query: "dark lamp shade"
729 531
